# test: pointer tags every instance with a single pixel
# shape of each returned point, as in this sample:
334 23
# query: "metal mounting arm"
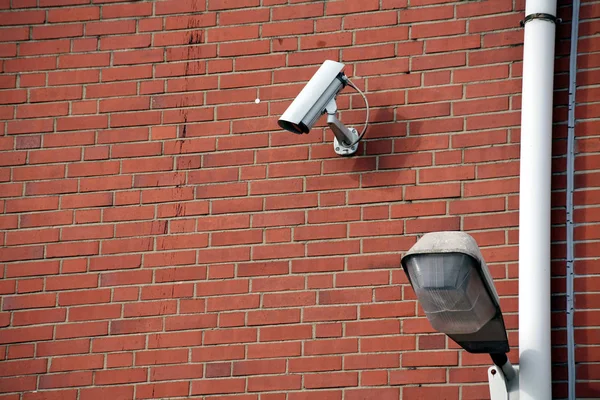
345 142
503 378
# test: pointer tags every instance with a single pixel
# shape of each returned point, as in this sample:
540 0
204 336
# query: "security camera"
312 101
318 98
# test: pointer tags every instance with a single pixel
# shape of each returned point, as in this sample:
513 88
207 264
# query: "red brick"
230 336
175 372
446 174
55 94
258 367
322 394
127 73
110 27
29 301
40 64
432 192
424 15
472 10
14 34
23 367
16 384
63 347
316 364
435 358
438 61
339 7
115 392
69 379
74 363
437 29
232 303
220 386
330 380
243 16
35 126
369 53
28 334
370 20
369 328
153 357
111 90
372 393
270 350
282 382
232 34
226 4
31 237
396 343
493 89
480 73
477 206
68 394
278 333
217 353
120 377
331 346
22 17
149 391
36 317
452 44
422 393
126 10
42 110
371 361
273 317
14 96
46 47
423 376
74 14
494 56
435 94
482 188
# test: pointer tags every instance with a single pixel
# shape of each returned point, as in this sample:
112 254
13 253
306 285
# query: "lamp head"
456 291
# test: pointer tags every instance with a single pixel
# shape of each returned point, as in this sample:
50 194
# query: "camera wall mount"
346 139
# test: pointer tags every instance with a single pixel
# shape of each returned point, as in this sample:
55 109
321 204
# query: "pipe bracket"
543 16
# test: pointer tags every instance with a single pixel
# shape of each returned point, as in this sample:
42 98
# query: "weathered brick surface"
161 237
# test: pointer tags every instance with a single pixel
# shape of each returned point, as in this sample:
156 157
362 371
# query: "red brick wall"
162 237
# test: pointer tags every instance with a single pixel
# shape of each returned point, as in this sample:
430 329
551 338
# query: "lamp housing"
455 289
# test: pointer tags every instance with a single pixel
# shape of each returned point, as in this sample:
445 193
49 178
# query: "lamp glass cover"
451 292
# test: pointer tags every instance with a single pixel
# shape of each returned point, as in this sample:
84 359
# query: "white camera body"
312 101
317 98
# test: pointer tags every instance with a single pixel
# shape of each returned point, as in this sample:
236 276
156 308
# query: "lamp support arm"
502 362
503 378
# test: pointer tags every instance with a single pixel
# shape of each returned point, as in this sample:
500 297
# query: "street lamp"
456 291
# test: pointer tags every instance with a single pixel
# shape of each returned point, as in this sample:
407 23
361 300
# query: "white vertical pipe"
535 379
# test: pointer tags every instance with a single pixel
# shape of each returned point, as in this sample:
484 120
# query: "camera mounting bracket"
346 139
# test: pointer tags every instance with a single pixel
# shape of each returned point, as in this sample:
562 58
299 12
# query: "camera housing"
318 98
310 103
